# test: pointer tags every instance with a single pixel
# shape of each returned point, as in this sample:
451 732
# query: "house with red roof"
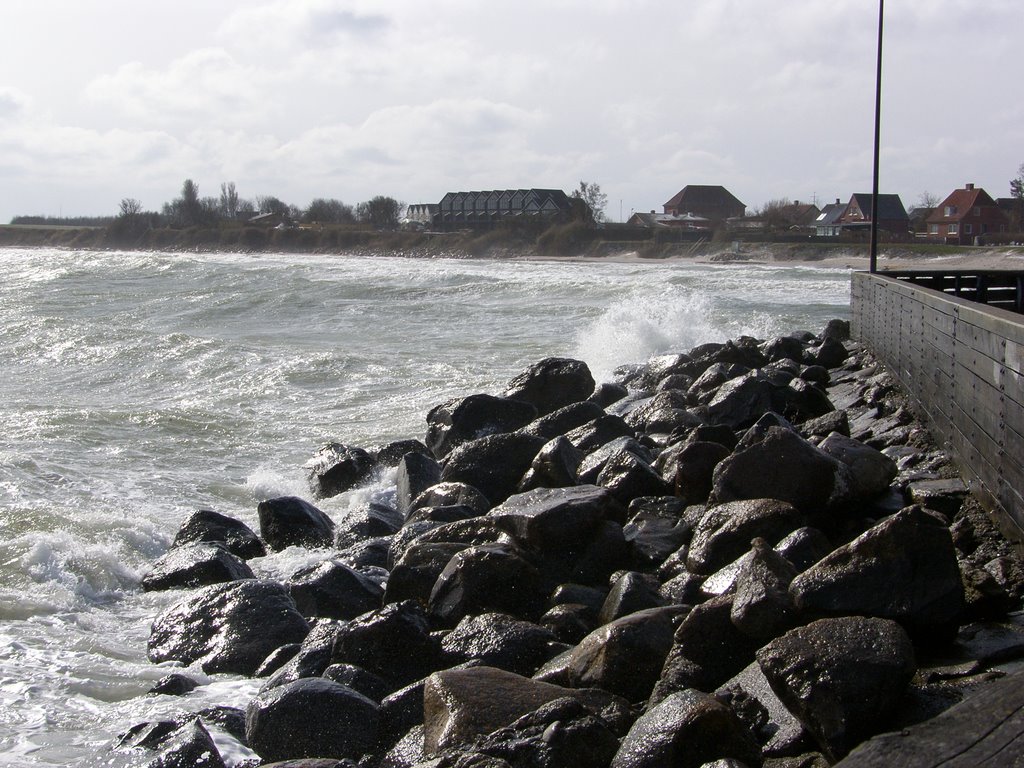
715 203
966 214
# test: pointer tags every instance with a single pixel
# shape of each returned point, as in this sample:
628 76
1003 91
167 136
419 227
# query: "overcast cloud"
300 99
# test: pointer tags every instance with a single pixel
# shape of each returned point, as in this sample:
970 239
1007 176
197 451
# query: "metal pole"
873 263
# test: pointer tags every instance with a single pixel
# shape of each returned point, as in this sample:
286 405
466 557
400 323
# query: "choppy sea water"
137 387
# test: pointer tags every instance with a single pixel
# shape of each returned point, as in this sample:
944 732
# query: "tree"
271 204
330 211
595 200
130 208
777 214
382 212
228 200
1017 193
927 200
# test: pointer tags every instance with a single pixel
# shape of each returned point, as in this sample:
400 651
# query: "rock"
569 622
557 423
660 367
695 468
208 527
629 477
665 412
289 520
336 468
451 513
592 464
358 679
489 577
784 348
390 454
631 592
333 590
607 393
227 627
655 529
189 746
392 642
624 656
195 565
451 494
494 465
560 733
552 383
945 495
414 575
804 547
367 555
310 659
372 521
775 727
460 705
816 374
837 330
762 606
311 717
871 471
416 473
277 659
554 466
590 597
823 426
501 641
786 467
600 431
842 678
904 569
459 421
703 388
725 531
686 730
555 519
174 684
706 651
831 353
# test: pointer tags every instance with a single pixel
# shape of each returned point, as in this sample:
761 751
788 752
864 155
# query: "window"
949 210
933 229
976 210
968 229
954 229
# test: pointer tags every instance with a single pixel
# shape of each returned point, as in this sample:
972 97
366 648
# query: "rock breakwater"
744 554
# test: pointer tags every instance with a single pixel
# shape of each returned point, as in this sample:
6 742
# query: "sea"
138 387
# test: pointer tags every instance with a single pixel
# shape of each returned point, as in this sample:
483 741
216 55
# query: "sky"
102 100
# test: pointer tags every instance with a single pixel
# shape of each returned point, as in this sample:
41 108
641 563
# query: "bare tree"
595 200
381 212
228 200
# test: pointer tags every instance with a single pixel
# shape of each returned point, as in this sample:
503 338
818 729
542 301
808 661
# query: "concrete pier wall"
964 364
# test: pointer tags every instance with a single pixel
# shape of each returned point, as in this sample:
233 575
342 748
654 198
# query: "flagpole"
873 263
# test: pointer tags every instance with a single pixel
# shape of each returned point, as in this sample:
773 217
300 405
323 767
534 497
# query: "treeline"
62 221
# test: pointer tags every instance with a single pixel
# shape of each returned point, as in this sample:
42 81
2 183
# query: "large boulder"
450 494
336 468
553 519
552 383
692 472
687 730
195 565
370 521
460 705
208 527
554 466
725 531
489 577
494 465
904 569
289 520
602 430
227 627
783 466
762 606
334 590
416 473
656 529
557 423
629 477
623 657
311 717
498 640
842 678
414 574
392 642
871 471
470 418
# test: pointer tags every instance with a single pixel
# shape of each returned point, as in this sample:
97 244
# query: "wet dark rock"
557 519
460 705
757 431
557 423
414 575
311 657
392 642
740 402
823 426
371 521
944 495
683 589
415 474
786 467
655 529
664 412
762 606
227 627
592 464
777 729
488 577
277 659
208 527
462 420
837 330
871 471
336 468
501 641
451 513
189 746
817 374
686 730
311 717
904 569
725 531
195 565
555 466
366 555
358 679
695 465
703 388
624 657
552 383
843 678
631 592
607 393
451 494
581 594
804 547
831 353
602 430
389 455
494 465
289 520
628 477
784 348
707 650
569 622
333 590
174 684
658 368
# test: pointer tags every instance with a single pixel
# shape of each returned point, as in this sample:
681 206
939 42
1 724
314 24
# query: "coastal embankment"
749 552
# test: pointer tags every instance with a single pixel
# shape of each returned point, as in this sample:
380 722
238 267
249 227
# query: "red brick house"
892 216
966 214
710 202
